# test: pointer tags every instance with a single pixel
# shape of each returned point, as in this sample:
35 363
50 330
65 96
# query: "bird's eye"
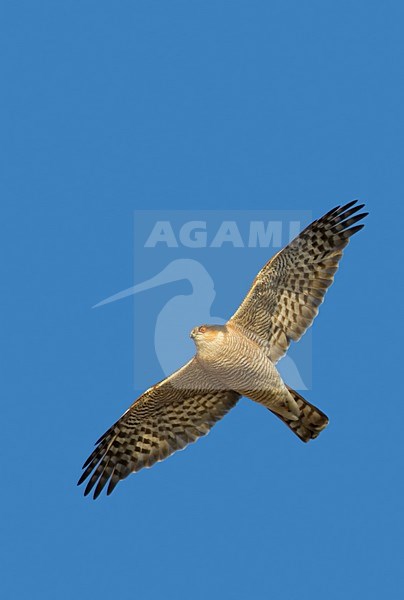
202 329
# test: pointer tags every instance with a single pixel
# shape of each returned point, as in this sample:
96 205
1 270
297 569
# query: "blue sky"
108 108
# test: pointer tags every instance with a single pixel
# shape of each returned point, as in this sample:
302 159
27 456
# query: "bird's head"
207 335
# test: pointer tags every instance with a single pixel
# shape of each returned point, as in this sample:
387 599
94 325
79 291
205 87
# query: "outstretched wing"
284 298
166 418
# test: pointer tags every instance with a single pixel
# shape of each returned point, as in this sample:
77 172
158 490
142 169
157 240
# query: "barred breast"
242 364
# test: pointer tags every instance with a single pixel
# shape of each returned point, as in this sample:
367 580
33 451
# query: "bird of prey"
233 360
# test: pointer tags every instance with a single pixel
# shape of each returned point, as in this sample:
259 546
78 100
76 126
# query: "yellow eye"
202 329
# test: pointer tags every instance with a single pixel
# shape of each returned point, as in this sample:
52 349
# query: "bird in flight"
233 360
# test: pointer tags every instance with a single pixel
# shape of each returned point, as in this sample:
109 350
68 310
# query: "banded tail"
311 421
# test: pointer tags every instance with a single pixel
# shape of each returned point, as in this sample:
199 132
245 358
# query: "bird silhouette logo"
177 317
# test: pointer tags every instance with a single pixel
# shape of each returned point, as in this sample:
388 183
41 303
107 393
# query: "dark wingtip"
354 230
87 462
112 485
82 479
348 205
97 492
88 489
347 216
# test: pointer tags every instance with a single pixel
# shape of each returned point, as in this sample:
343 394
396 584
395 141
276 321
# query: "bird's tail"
311 421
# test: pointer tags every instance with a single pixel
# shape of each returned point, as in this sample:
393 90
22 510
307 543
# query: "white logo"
183 312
